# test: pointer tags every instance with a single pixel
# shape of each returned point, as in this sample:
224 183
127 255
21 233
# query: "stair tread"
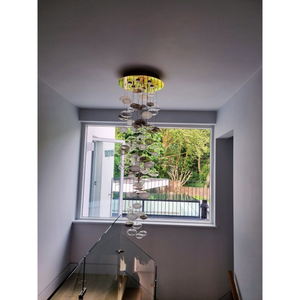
99 286
132 294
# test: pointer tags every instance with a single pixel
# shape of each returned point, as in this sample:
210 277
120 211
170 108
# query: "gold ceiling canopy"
141 84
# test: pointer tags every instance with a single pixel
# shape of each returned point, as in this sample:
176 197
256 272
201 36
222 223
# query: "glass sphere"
143 233
137 205
131 216
131 232
144 196
139 236
146 115
138 185
140 213
135 168
126 100
143 98
129 224
131 195
122 97
149 164
129 122
154 109
137 225
126 114
153 173
144 217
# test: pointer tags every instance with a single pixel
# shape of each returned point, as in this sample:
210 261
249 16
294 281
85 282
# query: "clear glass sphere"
143 98
131 232
126 114
153 173
139 236
154 109
137 225
143 233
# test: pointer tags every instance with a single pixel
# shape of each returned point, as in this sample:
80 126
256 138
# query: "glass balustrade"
113 269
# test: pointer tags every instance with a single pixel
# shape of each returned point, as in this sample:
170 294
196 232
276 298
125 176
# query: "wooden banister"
233 287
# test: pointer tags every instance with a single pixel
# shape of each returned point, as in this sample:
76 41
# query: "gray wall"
164 117
58 159
241 117
192 261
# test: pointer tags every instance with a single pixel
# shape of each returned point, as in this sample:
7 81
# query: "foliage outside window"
184 156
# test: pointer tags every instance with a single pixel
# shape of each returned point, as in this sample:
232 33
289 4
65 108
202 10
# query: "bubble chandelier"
139 113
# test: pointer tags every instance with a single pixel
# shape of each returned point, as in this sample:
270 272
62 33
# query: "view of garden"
183 158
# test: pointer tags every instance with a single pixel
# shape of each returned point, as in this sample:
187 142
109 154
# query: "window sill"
191 223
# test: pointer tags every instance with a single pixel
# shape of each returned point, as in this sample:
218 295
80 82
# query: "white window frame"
152 221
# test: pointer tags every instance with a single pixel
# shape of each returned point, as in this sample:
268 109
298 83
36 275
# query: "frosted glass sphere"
144 195
126 100
131 195
143 147
138 185
129 122
122 97
146 115
143 98
123 129
140 213
149 164
132 216
137 205
135 168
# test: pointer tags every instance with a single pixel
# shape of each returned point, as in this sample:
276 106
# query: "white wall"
58 159
242 116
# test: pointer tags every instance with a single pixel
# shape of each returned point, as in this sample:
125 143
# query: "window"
179 184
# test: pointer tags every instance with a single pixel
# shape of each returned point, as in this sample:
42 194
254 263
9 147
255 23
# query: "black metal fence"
168 198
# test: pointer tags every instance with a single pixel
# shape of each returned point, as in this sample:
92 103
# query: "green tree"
186 154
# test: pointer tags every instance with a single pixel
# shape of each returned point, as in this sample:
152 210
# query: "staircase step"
116 292
132 294
99 286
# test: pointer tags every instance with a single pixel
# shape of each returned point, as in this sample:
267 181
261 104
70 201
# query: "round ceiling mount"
141 84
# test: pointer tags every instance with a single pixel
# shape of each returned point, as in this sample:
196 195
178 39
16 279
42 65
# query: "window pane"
100 195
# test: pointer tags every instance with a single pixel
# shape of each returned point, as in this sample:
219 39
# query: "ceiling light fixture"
139 113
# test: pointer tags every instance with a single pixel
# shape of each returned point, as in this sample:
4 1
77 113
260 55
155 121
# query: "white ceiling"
204 51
